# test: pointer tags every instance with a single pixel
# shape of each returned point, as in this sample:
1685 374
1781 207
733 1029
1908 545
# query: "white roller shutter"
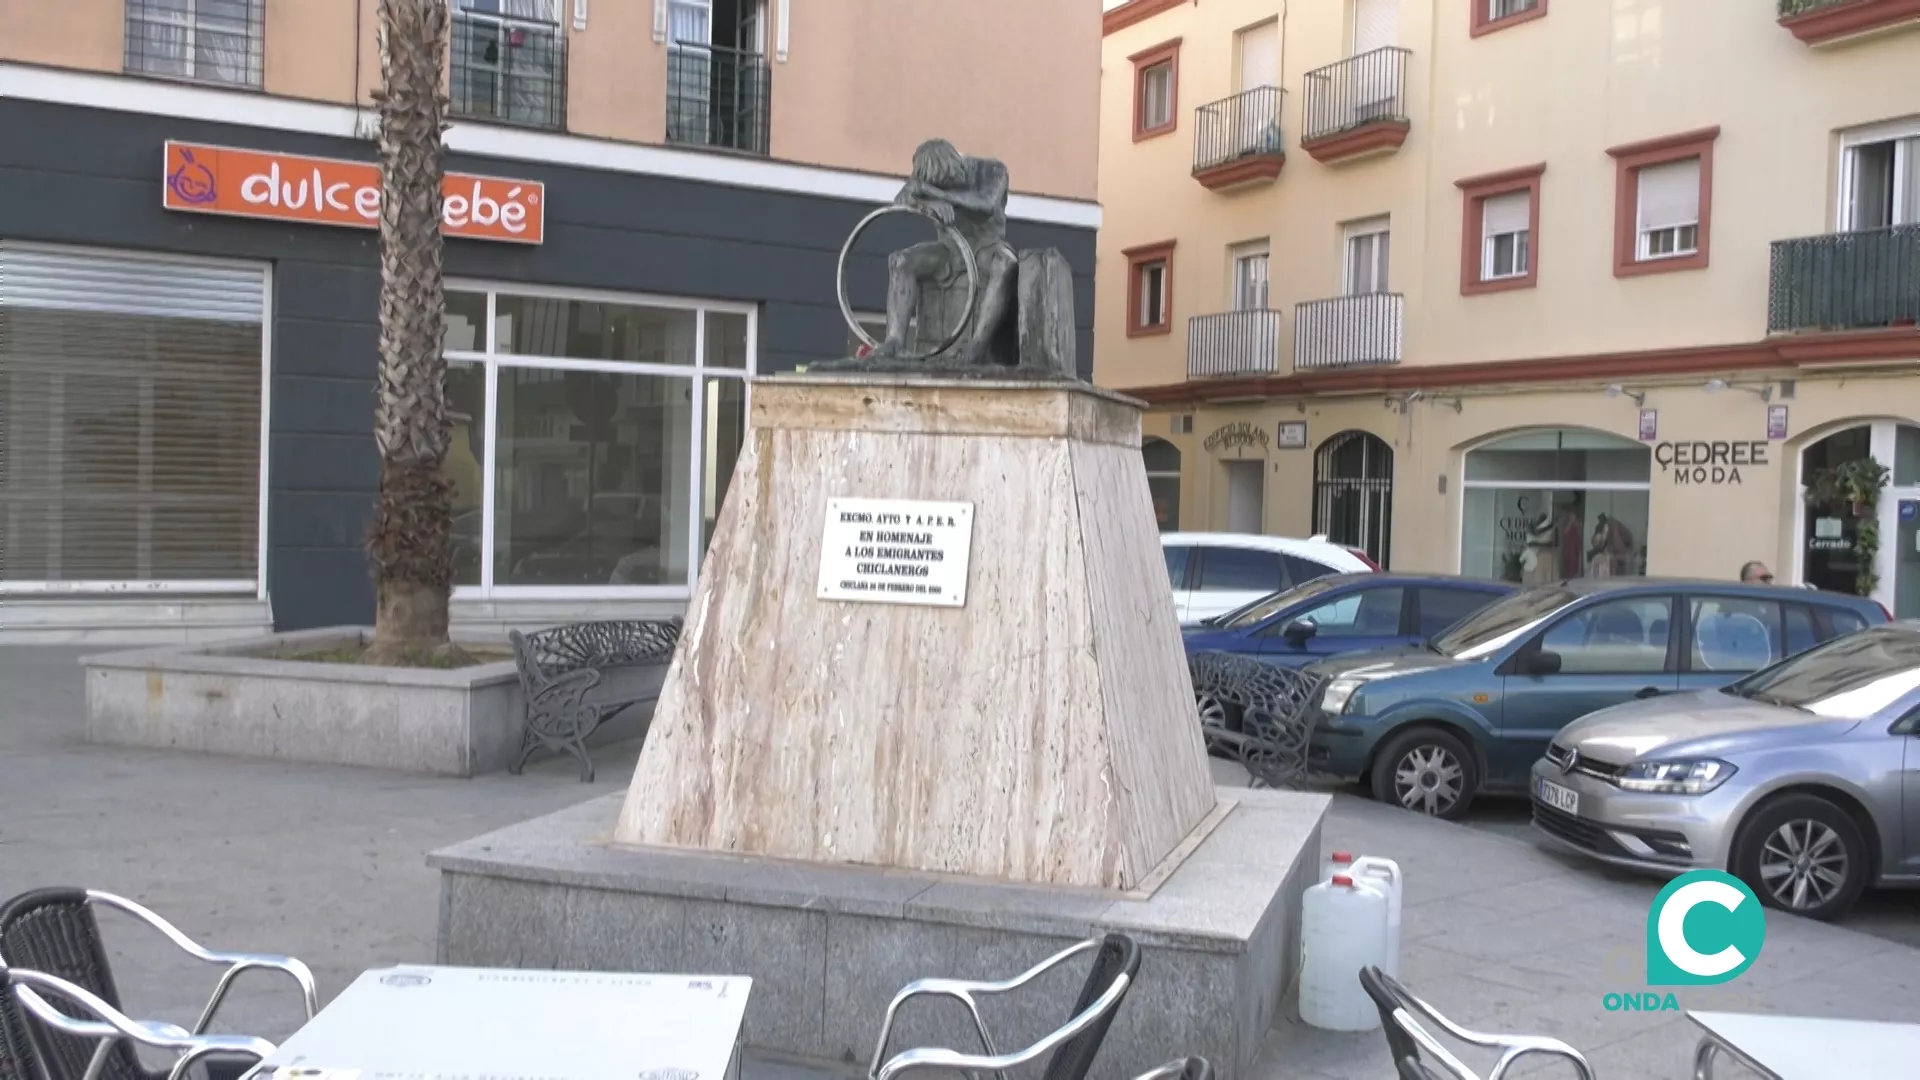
1670 195
1260 56
129 422
1375 24
1509 213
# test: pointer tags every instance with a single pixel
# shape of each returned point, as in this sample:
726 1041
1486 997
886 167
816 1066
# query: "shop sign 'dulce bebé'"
1237 435
1717 462
329 191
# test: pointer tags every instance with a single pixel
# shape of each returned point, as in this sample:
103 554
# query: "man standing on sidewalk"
1756 573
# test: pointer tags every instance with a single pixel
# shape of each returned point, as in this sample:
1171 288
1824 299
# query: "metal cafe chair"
54 933
1190 1068
1116 962
111 1032
1411 1044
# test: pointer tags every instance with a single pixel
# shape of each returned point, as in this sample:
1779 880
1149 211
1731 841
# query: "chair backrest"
1388 995
54 931
1117 956
17 1058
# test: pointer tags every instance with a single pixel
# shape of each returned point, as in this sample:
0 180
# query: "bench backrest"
545 655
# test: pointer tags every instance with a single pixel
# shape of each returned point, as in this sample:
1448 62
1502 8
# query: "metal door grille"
1353 493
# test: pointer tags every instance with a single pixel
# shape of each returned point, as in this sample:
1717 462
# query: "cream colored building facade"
1484 285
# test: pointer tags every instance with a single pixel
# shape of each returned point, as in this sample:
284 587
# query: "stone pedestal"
840 797
1042 733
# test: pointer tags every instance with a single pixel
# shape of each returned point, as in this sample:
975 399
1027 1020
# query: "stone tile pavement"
327 864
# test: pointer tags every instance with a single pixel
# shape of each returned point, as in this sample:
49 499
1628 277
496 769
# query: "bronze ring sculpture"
947 233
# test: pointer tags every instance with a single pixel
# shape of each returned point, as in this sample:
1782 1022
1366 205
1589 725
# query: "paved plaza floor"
328 864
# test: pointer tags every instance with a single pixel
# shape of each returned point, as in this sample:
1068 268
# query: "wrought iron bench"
1259 714
578 677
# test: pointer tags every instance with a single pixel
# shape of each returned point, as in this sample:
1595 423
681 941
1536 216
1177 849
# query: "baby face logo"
1706 928
191 181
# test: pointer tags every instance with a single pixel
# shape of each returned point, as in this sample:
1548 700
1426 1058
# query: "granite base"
829 945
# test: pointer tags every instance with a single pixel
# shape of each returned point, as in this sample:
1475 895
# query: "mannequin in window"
1540 562
1572 538
1612 548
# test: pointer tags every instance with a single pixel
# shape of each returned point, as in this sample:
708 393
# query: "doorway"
1246 496
1353 494
1827 553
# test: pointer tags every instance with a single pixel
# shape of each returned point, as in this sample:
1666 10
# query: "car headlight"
1675 777
1339 694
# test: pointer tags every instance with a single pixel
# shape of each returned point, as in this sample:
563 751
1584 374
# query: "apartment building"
645 206
1523 288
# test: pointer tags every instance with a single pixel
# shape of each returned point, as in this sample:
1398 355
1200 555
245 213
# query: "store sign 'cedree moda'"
329 191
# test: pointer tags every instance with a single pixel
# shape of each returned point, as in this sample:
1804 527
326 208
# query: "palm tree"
411 539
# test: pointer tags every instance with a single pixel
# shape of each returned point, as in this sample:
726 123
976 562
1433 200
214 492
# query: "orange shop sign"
329 191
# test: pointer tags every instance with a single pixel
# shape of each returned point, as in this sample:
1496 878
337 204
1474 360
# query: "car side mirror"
1544 662
1299 630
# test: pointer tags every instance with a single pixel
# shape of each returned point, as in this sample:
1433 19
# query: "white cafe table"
442 1023
1804 1048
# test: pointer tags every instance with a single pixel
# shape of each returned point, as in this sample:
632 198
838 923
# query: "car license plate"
1563 799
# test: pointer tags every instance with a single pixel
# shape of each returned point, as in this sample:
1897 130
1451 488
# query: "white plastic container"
1343 928
1340 862
1384 875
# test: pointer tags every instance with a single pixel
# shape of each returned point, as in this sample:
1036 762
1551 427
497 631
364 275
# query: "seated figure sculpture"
1020 322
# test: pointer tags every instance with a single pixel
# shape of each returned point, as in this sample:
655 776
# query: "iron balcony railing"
1233 129
1234 343
509 70
1369 328
1356 92
1845 281
718 97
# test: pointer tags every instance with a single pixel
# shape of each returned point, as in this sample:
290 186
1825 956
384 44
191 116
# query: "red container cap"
1343 881
1343 856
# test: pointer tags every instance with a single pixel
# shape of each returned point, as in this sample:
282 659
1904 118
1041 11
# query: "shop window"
1550 505
615 427
130 442
508 62
1162 459
209 41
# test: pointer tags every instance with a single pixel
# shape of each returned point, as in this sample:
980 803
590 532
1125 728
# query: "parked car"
1802 779
1344 613
1214 573
1472 710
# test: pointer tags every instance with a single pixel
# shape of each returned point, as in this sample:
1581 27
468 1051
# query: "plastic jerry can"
1343 928
1384 875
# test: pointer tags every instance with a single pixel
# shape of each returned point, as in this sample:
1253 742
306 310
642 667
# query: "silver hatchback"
1803 779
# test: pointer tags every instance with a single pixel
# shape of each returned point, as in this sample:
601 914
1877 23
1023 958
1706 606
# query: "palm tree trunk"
411 540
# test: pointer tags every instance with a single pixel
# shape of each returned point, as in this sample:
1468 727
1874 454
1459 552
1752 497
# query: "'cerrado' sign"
1709 462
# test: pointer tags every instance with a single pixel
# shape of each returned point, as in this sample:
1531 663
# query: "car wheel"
1427 771
1803 854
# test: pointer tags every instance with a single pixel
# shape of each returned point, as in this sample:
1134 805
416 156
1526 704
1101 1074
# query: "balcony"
718 97
1827 22
1357 108
1845 281
1234 343
508 70
1349 331
1236 141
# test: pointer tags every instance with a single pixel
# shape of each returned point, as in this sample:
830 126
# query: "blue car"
1344 613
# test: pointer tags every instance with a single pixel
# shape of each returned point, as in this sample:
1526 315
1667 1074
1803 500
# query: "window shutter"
1509 213
783 37
660 20
129 421
1670 194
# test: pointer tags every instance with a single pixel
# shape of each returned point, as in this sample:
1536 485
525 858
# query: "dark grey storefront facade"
92 178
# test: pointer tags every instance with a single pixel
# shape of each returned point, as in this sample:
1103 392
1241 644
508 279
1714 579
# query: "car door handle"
1647 692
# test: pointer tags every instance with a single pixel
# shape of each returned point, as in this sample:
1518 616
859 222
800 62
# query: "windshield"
1849 678
1261 610
1498 623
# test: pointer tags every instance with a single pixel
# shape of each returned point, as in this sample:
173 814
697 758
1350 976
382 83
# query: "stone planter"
234 698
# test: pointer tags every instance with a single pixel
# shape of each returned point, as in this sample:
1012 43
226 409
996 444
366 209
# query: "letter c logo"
1673 928
1726 915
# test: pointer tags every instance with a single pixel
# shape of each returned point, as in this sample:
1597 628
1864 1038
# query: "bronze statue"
965 303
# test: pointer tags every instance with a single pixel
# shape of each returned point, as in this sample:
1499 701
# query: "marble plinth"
828 946
1043 733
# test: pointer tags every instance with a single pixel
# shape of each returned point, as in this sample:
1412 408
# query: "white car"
1214 573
